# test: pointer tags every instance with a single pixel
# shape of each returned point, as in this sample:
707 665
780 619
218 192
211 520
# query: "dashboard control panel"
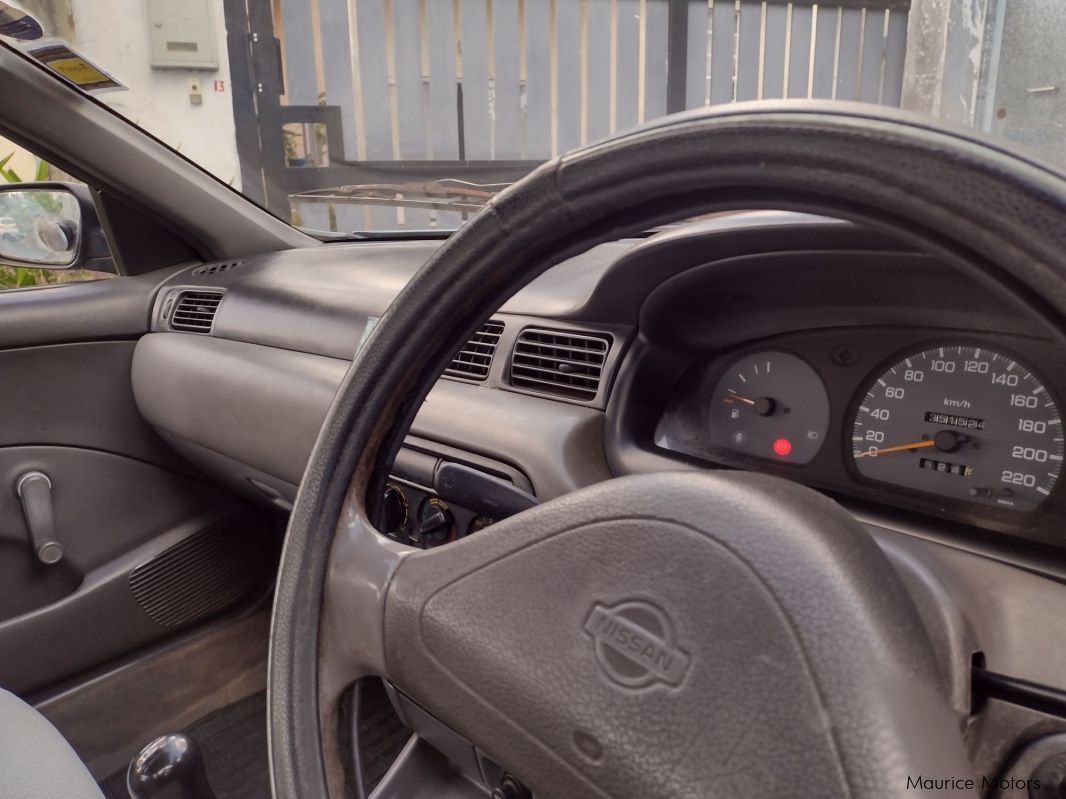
436 495
416 515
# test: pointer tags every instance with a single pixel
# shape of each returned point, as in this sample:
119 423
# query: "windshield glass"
387 115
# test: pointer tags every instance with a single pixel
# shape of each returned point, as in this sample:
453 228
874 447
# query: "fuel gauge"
771 405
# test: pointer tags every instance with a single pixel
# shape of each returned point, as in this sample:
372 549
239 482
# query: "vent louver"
195 311
559 362
474 359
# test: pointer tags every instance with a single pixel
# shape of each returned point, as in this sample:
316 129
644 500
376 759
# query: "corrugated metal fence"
461 83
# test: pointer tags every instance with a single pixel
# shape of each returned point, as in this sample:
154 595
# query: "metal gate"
373 92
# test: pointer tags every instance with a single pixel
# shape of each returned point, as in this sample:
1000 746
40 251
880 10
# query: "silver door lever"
35 491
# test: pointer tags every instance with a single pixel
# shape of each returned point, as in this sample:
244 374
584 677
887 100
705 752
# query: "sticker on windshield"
66 62
18 24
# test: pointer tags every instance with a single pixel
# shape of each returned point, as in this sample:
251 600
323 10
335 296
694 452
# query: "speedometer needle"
900 448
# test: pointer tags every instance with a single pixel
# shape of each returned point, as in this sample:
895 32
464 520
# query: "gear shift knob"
168 768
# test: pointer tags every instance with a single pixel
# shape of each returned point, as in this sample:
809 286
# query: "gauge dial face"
770 405
962 422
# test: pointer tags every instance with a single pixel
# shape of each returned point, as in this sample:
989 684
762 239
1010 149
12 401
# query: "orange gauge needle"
735 396
900 448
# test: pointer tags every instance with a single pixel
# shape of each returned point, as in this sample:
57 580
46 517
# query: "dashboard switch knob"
510 788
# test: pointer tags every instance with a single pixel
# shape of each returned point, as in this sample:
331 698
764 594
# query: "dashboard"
892 381
793 345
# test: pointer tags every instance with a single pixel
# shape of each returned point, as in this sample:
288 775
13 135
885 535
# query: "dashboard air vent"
559 362
212 269
474 359
195 311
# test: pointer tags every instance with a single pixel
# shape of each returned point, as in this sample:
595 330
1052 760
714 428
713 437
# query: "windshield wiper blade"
447 194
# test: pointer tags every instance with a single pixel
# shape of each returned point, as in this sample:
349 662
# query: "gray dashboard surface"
260 405
256 390
262 408
251 396
318 299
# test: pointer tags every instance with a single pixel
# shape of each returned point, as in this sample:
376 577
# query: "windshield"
407 115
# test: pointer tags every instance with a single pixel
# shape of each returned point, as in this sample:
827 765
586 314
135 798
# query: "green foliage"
10 175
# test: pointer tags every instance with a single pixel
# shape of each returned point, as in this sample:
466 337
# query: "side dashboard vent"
194 311
475 357
214 269
559 362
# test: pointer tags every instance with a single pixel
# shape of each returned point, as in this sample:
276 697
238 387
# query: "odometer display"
963 422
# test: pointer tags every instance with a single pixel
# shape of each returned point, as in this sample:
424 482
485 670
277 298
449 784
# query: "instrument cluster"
964 426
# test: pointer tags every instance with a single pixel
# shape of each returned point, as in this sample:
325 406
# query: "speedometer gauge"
962 422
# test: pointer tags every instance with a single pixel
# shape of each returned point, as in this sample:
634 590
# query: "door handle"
34 489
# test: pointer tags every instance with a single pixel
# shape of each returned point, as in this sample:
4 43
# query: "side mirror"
51 226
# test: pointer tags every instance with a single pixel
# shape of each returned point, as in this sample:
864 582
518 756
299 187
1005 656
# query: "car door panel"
76 395
105 505
149 546
110 308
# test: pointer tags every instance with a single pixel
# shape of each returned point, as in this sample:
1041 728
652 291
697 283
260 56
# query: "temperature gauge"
770 405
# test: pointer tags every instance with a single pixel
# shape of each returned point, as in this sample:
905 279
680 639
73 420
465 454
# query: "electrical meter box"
181 34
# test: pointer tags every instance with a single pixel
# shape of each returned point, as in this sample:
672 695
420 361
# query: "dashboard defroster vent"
559 362
194 311
213 269
474 359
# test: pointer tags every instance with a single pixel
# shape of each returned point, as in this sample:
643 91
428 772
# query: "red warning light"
782 447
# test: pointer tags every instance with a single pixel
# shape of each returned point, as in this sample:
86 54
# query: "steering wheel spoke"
362 564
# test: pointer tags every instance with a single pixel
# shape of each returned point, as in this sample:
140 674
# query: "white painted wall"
114 34
23 162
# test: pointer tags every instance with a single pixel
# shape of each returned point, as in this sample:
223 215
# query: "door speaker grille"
197 577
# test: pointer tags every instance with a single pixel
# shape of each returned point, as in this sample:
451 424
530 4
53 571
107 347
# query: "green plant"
11 176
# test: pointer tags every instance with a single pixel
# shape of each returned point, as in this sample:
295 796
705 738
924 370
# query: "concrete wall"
114 33
995 65
1025 76
945 51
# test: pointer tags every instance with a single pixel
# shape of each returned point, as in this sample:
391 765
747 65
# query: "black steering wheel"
770 647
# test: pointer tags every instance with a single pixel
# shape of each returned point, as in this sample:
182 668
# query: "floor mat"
233 744
381 733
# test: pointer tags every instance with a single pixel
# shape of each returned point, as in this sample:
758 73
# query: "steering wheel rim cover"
885 169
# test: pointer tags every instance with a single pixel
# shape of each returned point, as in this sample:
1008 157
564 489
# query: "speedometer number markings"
962 422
